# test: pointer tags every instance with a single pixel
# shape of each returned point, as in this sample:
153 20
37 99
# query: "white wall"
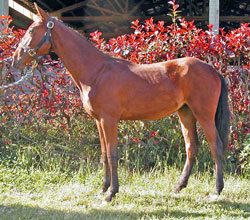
4 7
214 14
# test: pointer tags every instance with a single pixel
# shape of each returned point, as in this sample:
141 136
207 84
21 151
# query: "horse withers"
114 89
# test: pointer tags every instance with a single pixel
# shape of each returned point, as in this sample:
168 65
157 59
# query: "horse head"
36 41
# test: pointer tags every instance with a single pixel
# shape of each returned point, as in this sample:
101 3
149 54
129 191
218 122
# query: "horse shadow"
17 212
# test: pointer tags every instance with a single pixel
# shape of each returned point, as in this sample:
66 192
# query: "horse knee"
191 151
112 160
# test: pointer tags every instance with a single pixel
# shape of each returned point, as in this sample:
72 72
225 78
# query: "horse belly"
152 106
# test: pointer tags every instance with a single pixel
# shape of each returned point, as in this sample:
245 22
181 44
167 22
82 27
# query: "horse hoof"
109 197
219 188
213 198
177 189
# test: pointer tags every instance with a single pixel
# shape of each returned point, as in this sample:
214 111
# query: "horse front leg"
109 126
106 180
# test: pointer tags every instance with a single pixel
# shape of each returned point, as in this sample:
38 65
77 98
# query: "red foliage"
228 52
52 95
8 38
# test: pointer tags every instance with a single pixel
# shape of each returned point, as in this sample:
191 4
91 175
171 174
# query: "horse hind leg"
206 118
216 148
188 126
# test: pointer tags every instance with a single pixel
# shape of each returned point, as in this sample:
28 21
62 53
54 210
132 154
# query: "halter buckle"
50 24
32 52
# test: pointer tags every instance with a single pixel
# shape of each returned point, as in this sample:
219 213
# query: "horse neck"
80 58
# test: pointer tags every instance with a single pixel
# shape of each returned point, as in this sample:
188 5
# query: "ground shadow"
19 212
228 205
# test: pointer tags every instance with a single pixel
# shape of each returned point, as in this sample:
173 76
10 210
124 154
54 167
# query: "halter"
32 52
45 39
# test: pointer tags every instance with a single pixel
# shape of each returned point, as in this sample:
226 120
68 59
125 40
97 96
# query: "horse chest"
88 104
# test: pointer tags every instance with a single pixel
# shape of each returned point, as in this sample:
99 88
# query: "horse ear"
40 12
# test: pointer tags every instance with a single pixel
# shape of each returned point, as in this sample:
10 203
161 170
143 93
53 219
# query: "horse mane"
82 36
71 28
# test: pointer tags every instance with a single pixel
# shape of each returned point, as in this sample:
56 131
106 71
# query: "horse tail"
222 117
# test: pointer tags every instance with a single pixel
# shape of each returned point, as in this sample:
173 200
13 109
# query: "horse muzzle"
20 59
17 64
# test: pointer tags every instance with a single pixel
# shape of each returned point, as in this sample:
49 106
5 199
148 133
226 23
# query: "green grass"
36 194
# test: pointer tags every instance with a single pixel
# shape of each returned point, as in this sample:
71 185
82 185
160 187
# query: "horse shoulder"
102 96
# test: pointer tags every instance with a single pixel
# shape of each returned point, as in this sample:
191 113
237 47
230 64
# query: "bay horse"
114 89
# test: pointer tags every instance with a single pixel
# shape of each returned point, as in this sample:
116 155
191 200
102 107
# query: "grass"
36 194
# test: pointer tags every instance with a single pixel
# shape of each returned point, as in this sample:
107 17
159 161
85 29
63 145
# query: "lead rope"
27 75
32 53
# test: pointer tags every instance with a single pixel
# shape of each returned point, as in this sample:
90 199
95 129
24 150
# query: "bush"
44 124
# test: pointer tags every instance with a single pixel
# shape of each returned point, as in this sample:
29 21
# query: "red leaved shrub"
51 97
229 53
50 94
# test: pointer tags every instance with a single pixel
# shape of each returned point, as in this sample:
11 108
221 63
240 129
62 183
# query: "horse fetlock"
114 188
219 186
178 189
180 186
105 186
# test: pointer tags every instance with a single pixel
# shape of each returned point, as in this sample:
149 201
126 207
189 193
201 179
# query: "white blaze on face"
26 40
